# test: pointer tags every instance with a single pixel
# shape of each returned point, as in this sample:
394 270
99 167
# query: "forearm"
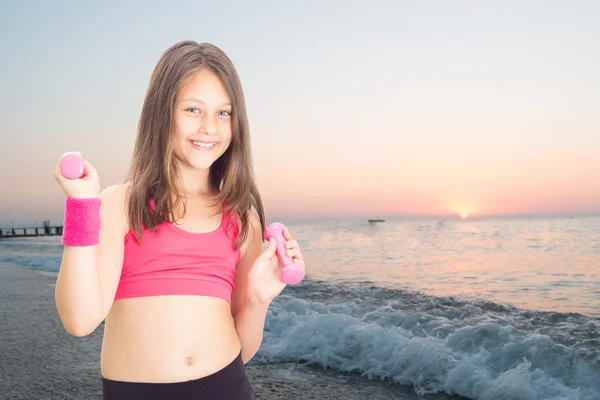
78 294
250 323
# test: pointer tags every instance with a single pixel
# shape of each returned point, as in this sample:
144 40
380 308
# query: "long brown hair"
153 171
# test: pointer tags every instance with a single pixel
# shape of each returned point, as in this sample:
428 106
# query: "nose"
209 124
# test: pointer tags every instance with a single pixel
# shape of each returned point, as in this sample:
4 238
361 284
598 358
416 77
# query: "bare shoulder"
117 190
114 205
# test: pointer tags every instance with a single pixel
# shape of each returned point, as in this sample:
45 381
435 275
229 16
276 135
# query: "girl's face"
202 121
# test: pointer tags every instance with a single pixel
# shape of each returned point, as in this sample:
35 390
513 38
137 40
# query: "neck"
195 182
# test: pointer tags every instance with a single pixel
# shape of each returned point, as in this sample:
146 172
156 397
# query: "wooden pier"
45 230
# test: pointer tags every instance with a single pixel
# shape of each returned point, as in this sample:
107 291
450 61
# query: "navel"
189 361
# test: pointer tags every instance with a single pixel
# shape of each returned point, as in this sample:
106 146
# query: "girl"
172 259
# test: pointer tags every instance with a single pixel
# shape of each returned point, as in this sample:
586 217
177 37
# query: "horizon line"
438 216
316 217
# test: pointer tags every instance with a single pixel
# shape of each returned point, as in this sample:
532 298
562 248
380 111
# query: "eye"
193 110
226 113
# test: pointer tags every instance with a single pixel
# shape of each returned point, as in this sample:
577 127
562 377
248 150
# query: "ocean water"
488 309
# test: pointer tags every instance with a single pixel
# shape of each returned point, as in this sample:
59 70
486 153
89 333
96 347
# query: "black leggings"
229 383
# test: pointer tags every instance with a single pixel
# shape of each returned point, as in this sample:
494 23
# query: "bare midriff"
171 338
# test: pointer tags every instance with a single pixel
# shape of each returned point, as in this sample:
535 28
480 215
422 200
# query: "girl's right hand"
87 186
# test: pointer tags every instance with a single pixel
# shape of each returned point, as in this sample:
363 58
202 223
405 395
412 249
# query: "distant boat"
376 220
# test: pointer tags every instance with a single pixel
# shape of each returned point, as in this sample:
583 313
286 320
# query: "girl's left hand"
264 278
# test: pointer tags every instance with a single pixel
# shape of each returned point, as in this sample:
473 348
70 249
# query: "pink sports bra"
174 261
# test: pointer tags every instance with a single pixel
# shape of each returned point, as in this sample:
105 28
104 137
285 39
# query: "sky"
356 108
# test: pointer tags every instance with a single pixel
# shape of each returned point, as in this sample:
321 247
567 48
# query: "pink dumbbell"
291 273
72 166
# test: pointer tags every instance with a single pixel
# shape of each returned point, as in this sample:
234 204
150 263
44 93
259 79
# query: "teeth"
206 145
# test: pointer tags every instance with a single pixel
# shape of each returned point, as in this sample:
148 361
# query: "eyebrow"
197 100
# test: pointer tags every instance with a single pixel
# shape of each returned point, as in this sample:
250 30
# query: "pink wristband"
82 222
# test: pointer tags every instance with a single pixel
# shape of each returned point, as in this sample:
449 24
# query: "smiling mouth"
202 145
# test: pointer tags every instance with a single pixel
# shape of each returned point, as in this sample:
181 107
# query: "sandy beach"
40 360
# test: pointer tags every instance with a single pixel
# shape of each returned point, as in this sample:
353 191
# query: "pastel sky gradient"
356 108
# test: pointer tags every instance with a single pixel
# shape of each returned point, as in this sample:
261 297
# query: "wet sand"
39 360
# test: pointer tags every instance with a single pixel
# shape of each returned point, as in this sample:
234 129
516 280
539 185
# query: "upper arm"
110 248
250 250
